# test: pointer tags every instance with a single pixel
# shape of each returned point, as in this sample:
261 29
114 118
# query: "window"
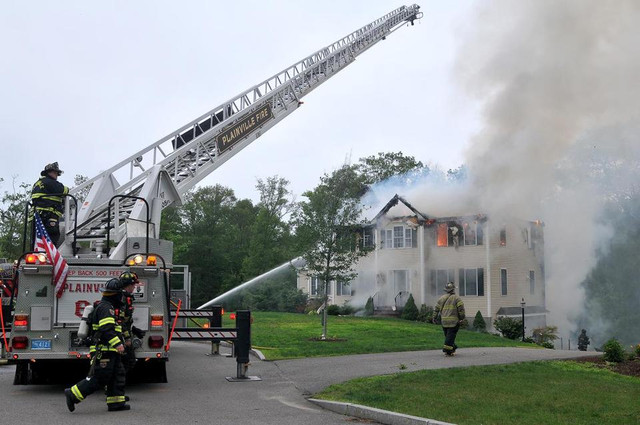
313 290
471 282
439 279
503 236
532 282
343 288
316 286
503 280
442 238
367 239
472 233
399 237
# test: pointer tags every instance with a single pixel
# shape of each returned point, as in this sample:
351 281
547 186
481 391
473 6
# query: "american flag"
60 268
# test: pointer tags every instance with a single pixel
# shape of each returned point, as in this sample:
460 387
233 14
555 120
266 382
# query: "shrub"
546 334
313 304
613 351
636 351
548 345
425 314
508 327
478 323
333 310
410 310
347 309
368 308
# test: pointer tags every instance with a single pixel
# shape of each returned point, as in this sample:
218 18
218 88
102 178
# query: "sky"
87 84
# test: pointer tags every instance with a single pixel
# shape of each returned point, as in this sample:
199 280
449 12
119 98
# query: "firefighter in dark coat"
450 308
47 198
106 362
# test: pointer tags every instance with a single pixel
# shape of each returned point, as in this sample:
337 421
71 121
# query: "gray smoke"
559 85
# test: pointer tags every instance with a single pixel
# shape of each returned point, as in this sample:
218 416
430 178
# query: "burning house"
495 264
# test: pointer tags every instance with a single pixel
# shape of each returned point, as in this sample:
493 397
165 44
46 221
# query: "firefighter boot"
118 407
71 400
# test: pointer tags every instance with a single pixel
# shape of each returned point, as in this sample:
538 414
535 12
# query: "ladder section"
187 155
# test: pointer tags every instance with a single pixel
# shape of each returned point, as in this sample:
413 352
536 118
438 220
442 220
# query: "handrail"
109 219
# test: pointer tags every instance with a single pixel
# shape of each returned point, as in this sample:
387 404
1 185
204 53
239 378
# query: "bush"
636 351
368 308
313 304
425 314
410 310
508 327
613 351
478 323
347 309
333 310
546 334
548 345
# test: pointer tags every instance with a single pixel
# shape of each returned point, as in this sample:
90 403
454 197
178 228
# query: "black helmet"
128 278
113 285
51 167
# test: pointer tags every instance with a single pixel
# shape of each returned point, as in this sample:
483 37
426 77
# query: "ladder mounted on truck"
164 171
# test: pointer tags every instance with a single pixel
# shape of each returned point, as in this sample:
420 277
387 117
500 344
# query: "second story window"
398 237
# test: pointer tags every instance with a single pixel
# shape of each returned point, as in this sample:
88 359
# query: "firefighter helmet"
113 285
51 167
449 287
128 278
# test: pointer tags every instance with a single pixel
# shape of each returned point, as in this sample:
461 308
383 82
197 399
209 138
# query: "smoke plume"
559 86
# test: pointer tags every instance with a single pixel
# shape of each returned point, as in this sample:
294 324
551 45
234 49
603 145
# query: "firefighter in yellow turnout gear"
108 346
47 198
450 308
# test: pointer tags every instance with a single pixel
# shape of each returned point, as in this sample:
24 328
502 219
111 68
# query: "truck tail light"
152 260
36 258
157 320
156 341
21 322
232 316
19 342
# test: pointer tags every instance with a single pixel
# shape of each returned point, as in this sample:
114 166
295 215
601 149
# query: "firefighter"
47 197
129 281
106 362
450 308
583 341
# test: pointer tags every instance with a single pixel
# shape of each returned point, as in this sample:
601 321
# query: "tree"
270 240
374 169
327 227
12 209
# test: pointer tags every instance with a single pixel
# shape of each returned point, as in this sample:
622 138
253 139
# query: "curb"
382 416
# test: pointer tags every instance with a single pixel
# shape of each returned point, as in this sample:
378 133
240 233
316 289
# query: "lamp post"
522 303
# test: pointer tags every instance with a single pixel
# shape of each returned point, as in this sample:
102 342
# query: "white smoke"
553 78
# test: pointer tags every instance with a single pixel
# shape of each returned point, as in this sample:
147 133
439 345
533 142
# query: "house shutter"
480 282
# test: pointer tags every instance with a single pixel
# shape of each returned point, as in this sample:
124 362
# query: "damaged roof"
393 202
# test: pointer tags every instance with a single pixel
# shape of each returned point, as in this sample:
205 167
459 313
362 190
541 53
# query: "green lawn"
289 335
526 393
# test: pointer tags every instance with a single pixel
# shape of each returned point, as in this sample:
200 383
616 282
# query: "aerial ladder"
164 171
110 227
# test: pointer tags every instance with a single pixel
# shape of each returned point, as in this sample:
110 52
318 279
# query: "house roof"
393 202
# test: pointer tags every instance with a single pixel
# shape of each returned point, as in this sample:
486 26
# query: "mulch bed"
627 367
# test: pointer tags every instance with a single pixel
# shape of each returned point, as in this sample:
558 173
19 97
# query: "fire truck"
111 222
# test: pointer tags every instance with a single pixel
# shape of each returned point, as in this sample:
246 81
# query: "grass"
526 393
289 335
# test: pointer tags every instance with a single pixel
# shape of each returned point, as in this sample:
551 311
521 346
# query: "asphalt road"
198 392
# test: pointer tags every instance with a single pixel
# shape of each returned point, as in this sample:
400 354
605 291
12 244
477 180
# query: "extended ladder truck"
116 227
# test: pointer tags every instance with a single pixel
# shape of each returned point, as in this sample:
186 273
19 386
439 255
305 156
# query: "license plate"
41 344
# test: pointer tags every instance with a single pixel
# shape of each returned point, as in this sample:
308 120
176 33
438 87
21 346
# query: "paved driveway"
198 393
